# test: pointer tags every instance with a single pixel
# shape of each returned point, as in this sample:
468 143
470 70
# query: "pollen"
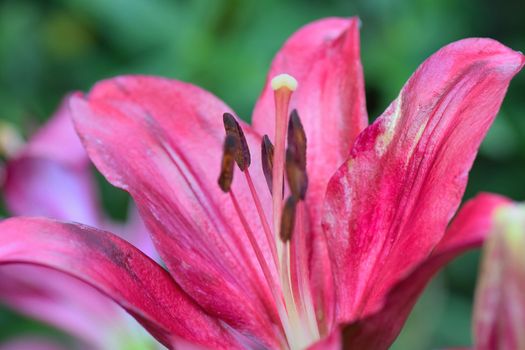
284 81
228 162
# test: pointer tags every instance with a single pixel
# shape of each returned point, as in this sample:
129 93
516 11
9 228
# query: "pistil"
283 85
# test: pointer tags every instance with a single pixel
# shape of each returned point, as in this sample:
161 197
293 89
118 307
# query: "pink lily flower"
499 310
51 176
339 262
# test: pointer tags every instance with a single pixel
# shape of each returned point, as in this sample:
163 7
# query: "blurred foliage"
48 48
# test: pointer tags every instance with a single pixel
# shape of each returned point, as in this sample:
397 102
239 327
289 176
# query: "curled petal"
117 269
42 187
389 205
50 175
69 305
468 230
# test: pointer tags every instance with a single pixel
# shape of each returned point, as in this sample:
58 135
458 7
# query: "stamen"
243 160
288 219
297 139
296 157
242 153
272 285
228 163
262 217
251 237
267 160
296 176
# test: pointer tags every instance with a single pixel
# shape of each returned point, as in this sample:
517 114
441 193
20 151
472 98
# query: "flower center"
286 237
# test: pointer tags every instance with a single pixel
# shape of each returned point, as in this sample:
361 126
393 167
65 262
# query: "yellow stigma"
284 81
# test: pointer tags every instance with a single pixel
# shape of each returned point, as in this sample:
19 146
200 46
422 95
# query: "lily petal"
58 140
333 341
467 231
70 305
43 187
499 310
390 204
324 57
50 175
118 270
157 139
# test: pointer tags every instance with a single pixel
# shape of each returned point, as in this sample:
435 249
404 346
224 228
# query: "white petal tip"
284 81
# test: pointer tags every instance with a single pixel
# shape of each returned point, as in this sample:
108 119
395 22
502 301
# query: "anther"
228 163
297 139
296 157
267 160
296 176
288 219
242 153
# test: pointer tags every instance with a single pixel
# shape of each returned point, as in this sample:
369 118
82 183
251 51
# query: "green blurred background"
48 48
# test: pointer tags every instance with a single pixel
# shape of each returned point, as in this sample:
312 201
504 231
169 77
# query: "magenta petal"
66 302
57 140
135 232
43 187
468 230
333 341
70 305
161 140
51 176
390 204
118 270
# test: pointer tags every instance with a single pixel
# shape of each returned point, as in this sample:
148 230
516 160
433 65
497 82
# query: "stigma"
284 81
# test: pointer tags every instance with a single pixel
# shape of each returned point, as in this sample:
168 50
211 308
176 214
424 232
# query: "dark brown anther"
228 163
242 153
297 139
267 160
296 157
288 219
296 176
